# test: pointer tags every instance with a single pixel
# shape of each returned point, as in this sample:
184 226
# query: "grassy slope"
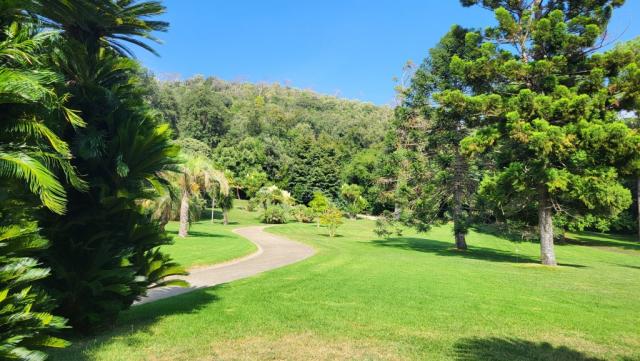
407 298
210 243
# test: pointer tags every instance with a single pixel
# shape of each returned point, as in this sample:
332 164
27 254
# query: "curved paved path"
273 252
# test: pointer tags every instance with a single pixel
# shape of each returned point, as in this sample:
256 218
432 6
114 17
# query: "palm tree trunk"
225 216
545 223
213 207
184 215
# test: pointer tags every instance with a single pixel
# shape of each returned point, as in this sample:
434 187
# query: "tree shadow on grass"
196 234
513 349
602 240
136 320
446 249
588 239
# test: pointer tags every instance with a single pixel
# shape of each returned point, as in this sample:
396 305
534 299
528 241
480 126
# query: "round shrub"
274 215
303 214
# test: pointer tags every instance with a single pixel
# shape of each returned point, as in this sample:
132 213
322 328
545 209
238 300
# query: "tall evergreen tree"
444 184
549 117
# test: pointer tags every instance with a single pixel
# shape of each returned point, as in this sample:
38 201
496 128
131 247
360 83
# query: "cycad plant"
104 250
33 159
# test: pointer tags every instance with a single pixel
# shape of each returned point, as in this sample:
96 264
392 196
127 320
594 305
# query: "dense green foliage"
271 134
442 180
532 101
72 102
33 158
275 214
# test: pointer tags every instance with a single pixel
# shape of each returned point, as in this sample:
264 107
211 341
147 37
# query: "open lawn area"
209 243
407 298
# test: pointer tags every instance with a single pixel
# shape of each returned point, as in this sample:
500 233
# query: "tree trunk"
397 211
184 215
225 216
638 203
458 195
545 223
213 207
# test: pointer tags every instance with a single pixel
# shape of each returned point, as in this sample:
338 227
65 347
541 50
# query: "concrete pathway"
273 252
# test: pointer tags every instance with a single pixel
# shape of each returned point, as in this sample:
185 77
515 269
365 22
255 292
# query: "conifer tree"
549 115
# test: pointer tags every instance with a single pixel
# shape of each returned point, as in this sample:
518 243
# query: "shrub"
252 205
386 225
274 215
332 218
303 213
26 325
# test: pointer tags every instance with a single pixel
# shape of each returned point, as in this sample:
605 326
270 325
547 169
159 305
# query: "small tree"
253 182
226 204
332 218
354 201
319 204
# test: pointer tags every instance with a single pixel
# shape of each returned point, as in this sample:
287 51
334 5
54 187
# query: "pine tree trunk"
184 215
545 223
225 216
458 189
213 207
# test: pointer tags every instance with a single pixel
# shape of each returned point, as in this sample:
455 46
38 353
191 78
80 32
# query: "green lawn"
209 243
409 298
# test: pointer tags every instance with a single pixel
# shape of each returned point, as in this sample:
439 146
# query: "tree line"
270 134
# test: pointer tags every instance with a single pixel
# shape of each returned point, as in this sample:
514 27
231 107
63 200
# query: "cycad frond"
39 179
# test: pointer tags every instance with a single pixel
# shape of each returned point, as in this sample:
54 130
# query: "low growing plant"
303 214
274 215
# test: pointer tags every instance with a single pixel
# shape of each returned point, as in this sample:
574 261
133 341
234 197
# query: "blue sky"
349 48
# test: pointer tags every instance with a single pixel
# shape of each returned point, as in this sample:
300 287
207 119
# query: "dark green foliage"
203 115
276 214
549 113
314 168
103 252
264 125
194 147
441 179
25 321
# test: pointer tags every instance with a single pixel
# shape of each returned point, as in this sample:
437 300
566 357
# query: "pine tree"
443 179
549 116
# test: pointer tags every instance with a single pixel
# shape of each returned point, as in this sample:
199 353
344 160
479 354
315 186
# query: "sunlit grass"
407 298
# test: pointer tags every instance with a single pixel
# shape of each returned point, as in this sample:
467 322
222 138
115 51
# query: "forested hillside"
272 134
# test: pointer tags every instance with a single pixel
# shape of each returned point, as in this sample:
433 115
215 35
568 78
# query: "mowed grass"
210 243
406 298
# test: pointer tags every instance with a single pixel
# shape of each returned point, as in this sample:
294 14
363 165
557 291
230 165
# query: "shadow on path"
446 249
512 349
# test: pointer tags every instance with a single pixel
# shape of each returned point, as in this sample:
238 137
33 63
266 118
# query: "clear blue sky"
350 48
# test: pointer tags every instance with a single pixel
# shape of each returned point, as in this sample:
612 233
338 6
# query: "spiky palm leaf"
105 23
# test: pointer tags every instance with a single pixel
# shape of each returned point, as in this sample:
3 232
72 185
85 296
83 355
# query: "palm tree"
196 177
